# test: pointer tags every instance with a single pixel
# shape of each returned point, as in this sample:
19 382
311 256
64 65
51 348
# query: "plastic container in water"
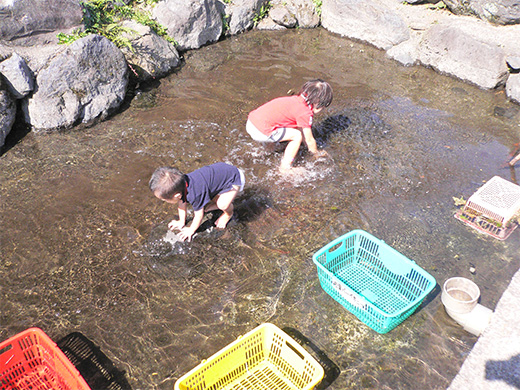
30 360
266 358
372 280
460 295
460 299
492 208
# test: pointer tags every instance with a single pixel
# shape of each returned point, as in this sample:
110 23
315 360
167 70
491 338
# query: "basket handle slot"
6 348
335 247
294 350
4 359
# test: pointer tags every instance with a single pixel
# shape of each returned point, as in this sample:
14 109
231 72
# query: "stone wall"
61 86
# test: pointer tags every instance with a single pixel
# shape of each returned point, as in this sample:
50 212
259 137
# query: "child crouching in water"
289 118
213 187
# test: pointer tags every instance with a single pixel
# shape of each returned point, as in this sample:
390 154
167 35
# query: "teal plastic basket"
372 280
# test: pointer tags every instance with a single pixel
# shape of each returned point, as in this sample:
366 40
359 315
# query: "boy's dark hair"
166 182
317 93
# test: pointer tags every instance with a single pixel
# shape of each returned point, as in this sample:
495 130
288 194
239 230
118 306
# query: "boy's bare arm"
309 140
179 224
311 144
182 212
188 232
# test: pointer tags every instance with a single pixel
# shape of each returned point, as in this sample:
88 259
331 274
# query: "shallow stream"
81 238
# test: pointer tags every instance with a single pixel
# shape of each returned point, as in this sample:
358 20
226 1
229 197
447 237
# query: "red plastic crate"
31 360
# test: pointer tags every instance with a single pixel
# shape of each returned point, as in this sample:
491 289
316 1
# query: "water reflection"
83 249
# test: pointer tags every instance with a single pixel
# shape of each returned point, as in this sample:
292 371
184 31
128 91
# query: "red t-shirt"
286 111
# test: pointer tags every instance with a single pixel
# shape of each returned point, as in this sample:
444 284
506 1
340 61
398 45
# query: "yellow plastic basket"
266 358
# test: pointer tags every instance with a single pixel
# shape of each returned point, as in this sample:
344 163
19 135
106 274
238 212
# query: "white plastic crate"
492 207
498 200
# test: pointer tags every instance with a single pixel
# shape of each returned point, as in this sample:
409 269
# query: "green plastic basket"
372 280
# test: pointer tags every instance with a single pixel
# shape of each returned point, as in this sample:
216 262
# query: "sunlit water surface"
81 235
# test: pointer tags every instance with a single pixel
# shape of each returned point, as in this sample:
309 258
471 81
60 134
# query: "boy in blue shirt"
213 187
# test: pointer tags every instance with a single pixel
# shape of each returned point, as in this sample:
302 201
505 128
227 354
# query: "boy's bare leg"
224 202
294 137
514 160
211 206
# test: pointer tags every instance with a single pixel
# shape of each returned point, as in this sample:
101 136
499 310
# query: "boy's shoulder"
218 166
212 169
287 102
290 98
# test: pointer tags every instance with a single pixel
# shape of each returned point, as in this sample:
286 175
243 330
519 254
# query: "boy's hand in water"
175 225
186 234
320 153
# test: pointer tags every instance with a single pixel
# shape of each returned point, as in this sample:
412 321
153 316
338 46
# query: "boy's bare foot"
222 221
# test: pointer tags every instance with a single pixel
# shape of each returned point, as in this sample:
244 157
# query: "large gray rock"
7 111
304 11
496 11
405 53
192 24
25 18
84 83
268 23
513 62
451 50
151 56
292 13
281 15
364 20
513 87
35 56
18 76
240 14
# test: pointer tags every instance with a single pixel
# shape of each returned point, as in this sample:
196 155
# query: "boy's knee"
225 201
297 136
226 208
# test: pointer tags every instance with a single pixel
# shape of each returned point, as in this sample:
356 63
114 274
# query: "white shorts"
257 135
242 180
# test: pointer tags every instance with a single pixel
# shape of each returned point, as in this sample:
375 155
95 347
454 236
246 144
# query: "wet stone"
508 113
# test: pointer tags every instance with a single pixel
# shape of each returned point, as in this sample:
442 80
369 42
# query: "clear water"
81 238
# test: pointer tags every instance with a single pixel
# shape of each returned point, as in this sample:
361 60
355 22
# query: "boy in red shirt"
289 118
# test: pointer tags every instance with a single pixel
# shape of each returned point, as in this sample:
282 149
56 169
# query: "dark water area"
82 244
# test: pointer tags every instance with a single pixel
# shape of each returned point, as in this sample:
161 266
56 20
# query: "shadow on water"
431 296
329 126
252 203
17 133
331 370
95 367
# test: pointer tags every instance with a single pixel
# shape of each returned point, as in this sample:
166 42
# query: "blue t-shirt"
205 183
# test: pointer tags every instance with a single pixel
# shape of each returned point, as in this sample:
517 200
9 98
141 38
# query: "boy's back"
205 183
285 111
